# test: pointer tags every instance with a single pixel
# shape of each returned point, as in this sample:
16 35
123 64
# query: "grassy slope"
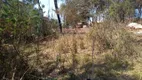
75 61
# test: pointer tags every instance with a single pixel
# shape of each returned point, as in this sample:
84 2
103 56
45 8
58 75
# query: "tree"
75 11
98 8
17 19
119 10
81 10
138 5
58 16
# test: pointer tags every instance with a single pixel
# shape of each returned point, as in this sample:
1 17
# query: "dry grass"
116 51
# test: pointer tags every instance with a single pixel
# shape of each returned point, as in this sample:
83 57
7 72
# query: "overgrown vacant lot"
72 40
104 53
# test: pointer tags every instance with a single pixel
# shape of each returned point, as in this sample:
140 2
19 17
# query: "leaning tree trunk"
58 16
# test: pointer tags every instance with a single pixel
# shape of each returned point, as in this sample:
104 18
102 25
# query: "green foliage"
18 19
113 36
49 27
119 10
74 11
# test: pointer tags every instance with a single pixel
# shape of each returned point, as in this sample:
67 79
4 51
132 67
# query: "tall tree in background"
119 10
138 4
58 16
98 8
69 12
75 11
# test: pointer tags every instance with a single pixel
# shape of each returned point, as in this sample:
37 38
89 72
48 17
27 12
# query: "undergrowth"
69 57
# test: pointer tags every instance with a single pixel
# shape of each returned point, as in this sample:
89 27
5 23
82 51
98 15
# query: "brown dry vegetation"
75 30
117 55
32 48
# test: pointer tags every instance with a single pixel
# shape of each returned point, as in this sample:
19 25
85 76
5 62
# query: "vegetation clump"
35 47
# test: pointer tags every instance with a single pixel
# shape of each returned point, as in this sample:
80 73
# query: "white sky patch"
49 8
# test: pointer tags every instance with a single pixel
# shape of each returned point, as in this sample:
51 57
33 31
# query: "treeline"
83 10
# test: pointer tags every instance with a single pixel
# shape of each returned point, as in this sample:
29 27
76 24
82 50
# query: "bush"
109 35
115 45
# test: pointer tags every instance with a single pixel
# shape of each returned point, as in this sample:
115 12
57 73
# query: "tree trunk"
40 28
139 9
58 16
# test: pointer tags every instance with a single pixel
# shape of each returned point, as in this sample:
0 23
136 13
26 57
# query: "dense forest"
89 40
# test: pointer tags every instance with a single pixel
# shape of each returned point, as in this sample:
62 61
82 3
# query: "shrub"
109 35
